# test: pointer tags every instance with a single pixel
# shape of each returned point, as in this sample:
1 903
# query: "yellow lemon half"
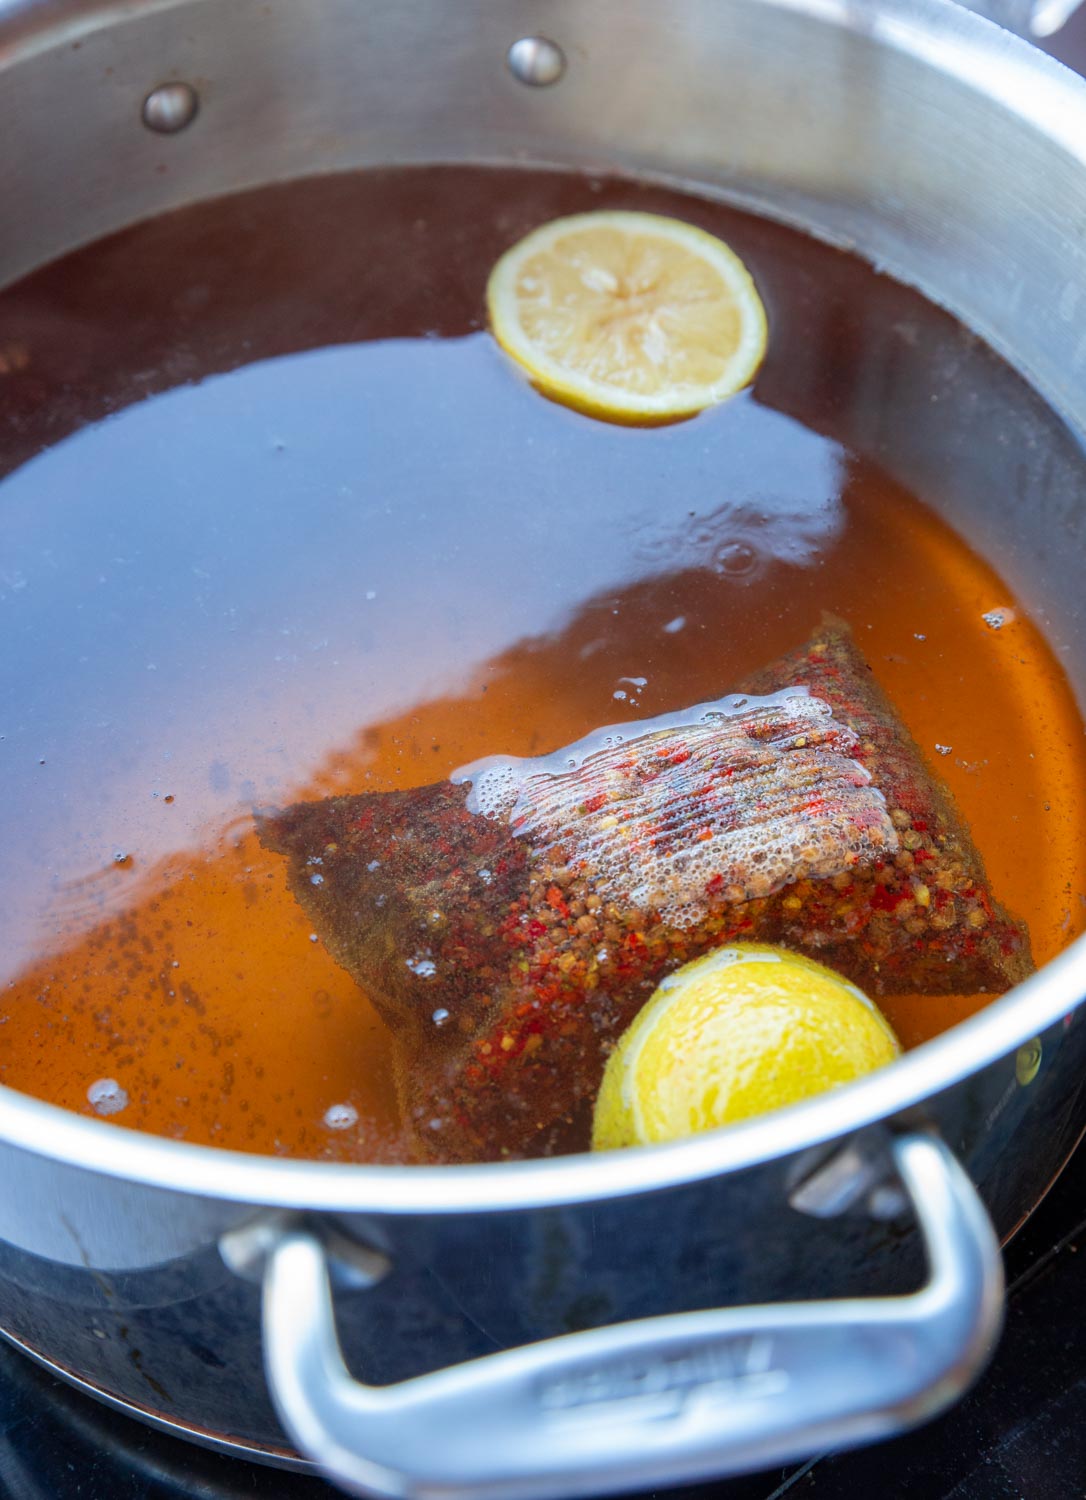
628 316
745 1030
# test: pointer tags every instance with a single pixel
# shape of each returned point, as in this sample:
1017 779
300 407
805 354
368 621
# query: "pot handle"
664 1400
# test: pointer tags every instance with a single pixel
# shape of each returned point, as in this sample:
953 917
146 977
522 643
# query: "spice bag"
511 922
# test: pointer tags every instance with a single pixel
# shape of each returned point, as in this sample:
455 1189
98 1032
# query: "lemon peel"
747 1029
632 317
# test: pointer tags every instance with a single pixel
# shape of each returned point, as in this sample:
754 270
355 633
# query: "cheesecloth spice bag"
510 923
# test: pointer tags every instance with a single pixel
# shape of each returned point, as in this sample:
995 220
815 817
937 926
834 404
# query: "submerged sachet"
509 923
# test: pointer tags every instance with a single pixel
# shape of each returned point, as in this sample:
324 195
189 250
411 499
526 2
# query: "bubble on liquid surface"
995 619
340 1116
736 559
106 1097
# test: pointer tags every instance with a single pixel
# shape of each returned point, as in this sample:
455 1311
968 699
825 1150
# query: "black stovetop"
1020 1435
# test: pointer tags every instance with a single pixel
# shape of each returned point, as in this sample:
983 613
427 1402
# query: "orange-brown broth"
184 969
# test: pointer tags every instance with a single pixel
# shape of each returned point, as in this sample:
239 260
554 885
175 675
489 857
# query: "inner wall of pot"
882 137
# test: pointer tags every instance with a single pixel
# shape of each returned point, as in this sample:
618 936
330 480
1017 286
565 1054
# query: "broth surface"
278 519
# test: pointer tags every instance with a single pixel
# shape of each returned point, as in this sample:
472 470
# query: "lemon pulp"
747 1029
628 316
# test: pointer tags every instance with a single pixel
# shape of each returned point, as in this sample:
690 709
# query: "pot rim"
209 1172
943 36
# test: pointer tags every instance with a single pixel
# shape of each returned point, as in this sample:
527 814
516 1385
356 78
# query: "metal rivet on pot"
536 61
170 107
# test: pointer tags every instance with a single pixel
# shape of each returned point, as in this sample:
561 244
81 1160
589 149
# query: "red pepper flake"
885 898
594 804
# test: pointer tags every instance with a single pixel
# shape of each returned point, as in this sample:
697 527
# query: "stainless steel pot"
213 1293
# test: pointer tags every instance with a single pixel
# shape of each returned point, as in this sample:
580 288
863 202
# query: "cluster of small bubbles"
634 685
731 813
340 1116
424 967
498 782
107 1097
440 1016
918 637
995 619
485 876
943 749
316 880
121 857
374 864
314 859
494 786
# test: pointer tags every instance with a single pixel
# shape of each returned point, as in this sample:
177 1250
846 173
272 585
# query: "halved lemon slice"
628 316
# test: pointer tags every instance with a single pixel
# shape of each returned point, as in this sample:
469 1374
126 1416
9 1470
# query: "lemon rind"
594 397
